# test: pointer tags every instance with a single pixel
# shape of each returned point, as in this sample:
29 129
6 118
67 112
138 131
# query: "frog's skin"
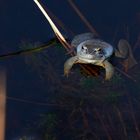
90 50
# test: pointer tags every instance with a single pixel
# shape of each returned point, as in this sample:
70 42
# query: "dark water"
41 102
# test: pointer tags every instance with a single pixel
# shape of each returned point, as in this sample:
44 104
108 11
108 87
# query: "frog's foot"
69 63
125 51
109 69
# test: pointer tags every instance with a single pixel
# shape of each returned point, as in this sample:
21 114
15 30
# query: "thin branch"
133 115
85 119
59 22
137 44
30 50
2 104
125 74
103 124
110 119
82 17
55 29
121 121
34 102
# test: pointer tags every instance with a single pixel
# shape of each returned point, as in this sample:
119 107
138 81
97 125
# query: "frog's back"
81 38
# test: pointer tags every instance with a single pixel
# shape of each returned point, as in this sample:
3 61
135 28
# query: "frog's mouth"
86 56
92 56
90 59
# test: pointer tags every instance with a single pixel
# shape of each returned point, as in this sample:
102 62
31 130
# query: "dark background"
22 20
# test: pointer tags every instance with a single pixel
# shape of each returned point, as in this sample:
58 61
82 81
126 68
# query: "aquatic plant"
90 82
48 123
113 97
82 117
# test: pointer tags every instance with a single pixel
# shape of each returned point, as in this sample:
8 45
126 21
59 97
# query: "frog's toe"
68 64
109 69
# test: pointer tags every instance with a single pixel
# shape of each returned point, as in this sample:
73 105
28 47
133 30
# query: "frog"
92 50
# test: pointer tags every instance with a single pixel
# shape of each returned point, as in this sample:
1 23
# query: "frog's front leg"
69 63
109 69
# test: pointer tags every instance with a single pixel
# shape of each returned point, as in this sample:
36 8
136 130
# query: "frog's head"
88 50
94 50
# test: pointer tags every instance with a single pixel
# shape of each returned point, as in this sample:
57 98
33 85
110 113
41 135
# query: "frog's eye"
97 50
84 48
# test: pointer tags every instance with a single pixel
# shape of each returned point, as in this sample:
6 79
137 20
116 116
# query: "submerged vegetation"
86 106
